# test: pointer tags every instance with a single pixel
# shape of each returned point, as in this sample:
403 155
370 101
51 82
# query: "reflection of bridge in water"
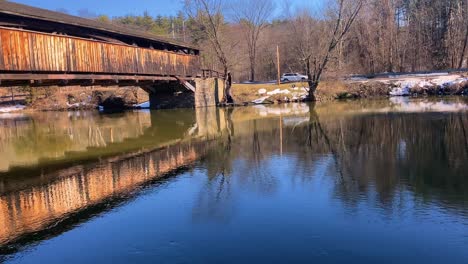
43 197
370 153
45 202
47 139
39 197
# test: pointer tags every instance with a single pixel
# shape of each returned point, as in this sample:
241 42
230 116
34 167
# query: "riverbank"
355 88
85 98
15 99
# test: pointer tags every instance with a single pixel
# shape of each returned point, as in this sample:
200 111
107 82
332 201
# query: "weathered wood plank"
27 48
39 52
30 76
2 64
47 53
12 52
5 44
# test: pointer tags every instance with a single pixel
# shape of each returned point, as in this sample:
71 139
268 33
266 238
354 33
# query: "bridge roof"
20 10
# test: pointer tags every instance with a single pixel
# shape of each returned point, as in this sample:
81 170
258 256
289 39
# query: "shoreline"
27 110
357 88
105 99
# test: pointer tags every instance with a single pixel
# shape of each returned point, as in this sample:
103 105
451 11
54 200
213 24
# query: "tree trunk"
312 82
312 88
252 68
227 87
462 57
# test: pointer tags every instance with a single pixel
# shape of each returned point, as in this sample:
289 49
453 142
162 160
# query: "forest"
352 36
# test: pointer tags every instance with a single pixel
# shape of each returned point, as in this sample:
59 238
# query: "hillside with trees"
386 36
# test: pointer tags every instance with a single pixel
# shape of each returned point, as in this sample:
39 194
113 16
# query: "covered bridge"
42 47
34 42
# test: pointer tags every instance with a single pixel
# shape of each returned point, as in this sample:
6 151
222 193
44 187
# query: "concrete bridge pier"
176 94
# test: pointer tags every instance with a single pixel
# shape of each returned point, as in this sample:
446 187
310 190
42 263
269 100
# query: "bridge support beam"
173 94
209 91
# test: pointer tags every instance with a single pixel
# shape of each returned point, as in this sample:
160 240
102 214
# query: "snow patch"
279 91
403 87
260 100
262 91
142 105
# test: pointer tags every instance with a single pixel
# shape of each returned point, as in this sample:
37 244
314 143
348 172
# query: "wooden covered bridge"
43 48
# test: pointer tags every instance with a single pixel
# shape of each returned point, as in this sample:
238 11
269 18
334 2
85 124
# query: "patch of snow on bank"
142 105
448 82
445 80
279 91
14 108
262 91
403 87
260 100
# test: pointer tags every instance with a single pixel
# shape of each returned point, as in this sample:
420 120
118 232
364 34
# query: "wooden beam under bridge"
45 79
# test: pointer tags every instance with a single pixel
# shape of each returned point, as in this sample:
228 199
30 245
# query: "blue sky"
108 7
120 7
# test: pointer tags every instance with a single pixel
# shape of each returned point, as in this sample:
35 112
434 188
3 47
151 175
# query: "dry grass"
327 90
249 92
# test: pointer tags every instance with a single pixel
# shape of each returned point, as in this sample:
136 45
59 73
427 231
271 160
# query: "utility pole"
278 65
173 31
183 29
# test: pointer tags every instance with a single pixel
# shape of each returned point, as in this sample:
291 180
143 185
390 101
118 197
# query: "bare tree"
253 16
316 39
349 37
208 15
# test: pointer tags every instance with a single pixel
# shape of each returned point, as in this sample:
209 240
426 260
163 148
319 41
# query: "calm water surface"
346 182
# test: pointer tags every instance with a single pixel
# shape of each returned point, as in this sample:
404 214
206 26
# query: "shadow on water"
62 173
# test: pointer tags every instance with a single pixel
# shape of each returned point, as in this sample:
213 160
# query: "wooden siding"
27 51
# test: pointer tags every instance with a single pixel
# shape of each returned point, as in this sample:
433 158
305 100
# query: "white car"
293 77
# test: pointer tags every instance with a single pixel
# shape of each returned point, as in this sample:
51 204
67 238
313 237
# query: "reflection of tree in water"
238 161
214 201
381 157
393 153
262 139
254 173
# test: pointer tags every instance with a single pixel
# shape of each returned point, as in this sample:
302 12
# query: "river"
367 181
